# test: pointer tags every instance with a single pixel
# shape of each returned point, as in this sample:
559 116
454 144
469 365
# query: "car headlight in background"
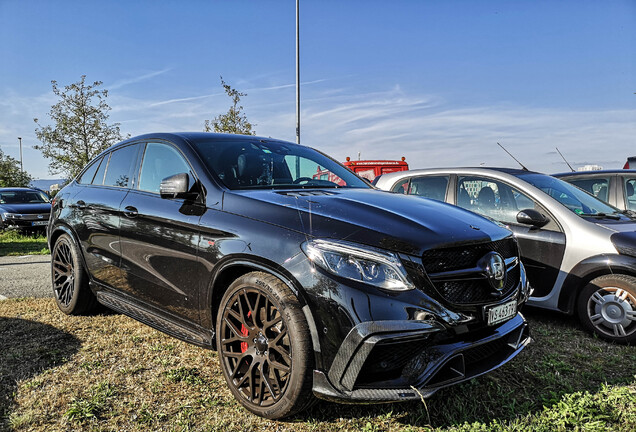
376 267
11 216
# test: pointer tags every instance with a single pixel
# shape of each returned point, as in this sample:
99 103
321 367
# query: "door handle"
130 211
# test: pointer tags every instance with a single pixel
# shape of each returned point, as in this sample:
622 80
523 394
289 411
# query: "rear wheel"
264 346
607 306
70 280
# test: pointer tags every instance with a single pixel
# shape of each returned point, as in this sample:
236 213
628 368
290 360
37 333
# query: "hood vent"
307 193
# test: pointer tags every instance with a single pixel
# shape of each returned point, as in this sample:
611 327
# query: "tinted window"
433 187
630 194
120 167
99 177
494 199
89 174
597 186
23 197
160 161
262 164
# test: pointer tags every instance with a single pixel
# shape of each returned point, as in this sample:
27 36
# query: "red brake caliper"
244 332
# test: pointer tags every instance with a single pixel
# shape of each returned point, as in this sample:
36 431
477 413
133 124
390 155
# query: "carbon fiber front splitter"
437 365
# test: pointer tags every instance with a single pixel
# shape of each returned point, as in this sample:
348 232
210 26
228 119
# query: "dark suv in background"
304 286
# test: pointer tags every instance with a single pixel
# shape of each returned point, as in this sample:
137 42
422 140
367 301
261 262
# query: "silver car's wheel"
607 306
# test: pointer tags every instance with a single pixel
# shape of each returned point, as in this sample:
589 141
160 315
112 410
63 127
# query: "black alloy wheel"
264 346
70 281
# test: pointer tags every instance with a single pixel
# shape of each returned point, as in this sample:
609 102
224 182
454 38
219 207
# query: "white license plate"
500 313
40 223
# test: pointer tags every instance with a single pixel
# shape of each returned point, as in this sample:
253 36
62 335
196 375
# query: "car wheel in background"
264 346
607 306
70 280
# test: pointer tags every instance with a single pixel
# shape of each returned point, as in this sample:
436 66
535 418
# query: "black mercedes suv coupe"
305 286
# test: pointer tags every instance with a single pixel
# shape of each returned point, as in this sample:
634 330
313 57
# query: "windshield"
23 197
575 199
262 164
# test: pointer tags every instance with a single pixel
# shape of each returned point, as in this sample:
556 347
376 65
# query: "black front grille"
455 258
470 291
475 291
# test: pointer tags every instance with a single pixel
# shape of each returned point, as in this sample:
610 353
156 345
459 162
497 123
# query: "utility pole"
21 168
297 74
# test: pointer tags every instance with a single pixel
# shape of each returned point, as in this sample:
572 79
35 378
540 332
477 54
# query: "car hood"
396 222
26 208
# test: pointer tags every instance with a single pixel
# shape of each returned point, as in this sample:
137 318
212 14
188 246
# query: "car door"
541 248
159 237
102 188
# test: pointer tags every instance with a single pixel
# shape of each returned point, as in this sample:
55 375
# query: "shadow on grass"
27 349
563 359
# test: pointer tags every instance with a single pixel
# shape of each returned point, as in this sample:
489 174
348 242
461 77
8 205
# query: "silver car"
579 253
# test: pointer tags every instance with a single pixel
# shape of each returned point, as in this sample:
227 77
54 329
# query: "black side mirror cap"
175 186
532 217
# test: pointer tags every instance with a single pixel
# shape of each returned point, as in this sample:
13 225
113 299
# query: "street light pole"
297 75
21 168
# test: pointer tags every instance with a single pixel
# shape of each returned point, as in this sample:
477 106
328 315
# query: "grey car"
615 187
579 252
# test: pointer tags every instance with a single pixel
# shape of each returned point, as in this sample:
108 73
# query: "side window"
89 174
597 186
495 199
433 187
99 177
630 194
121 167
160 161
401 187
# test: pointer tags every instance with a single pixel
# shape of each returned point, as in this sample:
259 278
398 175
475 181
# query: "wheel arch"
230 270
589 269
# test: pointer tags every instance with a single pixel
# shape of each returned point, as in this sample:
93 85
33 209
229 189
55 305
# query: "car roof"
595 173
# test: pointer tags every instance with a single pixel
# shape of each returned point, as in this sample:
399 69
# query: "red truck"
368 169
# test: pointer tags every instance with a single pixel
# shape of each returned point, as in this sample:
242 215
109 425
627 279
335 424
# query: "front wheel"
607 307
264 346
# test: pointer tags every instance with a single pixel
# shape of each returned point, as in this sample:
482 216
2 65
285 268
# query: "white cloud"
427 129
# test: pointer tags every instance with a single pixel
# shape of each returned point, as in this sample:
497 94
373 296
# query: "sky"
438 82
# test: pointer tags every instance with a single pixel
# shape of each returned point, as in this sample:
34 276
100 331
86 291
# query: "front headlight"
360 263
11 216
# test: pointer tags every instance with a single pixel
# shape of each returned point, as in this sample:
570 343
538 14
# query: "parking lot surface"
25 276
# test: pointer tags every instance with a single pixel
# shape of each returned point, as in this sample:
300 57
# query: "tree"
10 173
234 121
81 130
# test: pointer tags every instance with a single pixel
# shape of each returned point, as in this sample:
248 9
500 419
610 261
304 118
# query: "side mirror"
532 217
174 186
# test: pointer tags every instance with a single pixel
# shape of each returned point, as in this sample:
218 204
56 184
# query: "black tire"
69 279
607 307
264 346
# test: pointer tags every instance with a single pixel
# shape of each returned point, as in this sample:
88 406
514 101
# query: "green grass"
109 372
15 243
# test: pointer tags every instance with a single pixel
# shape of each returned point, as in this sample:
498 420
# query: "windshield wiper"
601 215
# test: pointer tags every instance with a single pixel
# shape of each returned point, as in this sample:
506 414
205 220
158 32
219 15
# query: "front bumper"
387 361
27 221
